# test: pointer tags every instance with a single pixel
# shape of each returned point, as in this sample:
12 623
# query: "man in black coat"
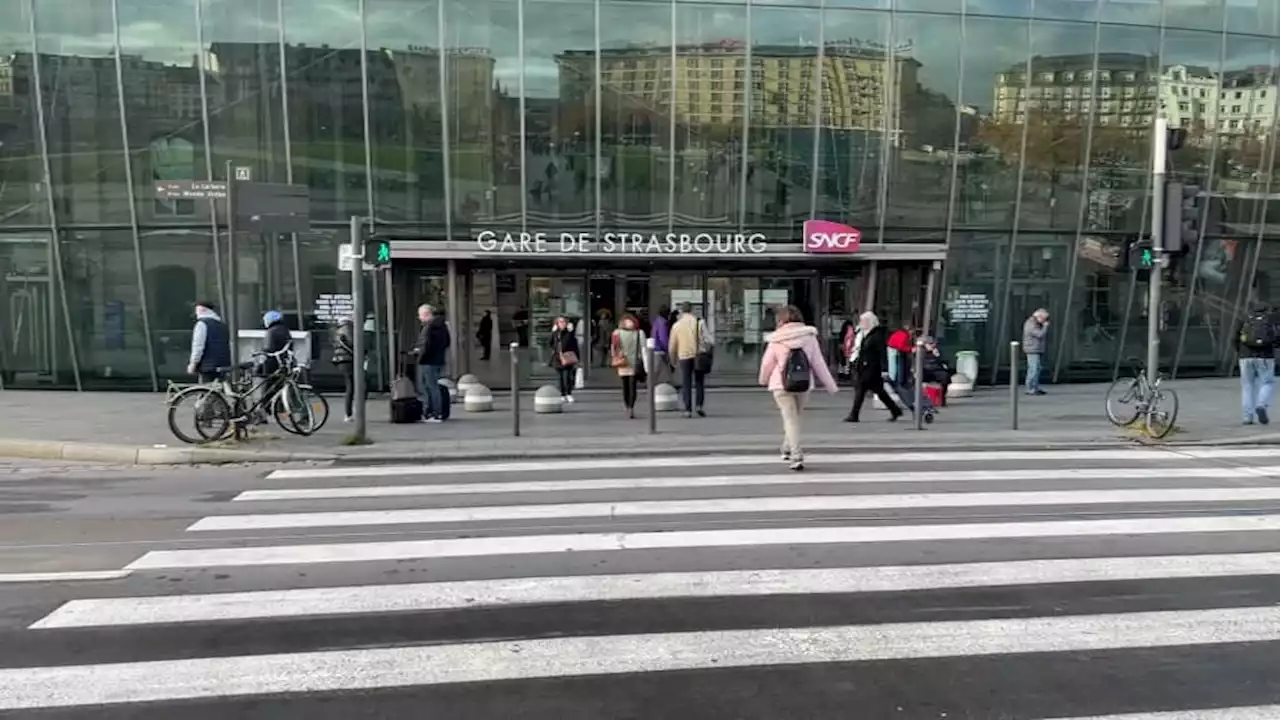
432 350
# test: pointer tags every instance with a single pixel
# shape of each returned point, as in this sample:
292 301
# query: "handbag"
568 358
706 355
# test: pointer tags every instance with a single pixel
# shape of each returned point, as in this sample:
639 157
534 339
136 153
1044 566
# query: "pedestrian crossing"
1141 584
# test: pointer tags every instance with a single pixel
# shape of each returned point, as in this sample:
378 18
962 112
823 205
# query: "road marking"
767 504
69 576
791 478
1216 453
607 542
417 597
1257 712
329 671
681 461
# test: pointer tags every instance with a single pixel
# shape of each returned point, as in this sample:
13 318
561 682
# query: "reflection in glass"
482 74
712 76
82 113
22 197
855 103
405 65
987 180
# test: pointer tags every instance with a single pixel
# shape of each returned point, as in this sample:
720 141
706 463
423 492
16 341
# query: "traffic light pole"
1159 148
357 327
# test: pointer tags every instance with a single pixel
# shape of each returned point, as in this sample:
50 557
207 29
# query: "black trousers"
864 386
693 385
568 376
629 383
348 386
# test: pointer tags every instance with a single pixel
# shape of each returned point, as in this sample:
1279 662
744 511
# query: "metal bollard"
1013 383
918 389
651 387
515 389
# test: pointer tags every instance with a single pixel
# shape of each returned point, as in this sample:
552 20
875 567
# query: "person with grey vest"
1035 332
210 345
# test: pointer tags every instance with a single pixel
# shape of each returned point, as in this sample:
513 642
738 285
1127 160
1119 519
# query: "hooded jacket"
794 336
433 342
210 342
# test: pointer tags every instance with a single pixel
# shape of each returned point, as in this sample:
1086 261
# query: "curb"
130 455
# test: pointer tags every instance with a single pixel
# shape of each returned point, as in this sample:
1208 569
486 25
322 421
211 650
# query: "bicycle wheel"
290 411
318 406
1122 406
210 415
1162 414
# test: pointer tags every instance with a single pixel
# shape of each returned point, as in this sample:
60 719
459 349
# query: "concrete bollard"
478 399
547 400
665 398
961 386
465 383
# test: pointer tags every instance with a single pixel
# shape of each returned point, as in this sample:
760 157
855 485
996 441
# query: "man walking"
689 345
1035 333
1256 341
432 350
210 345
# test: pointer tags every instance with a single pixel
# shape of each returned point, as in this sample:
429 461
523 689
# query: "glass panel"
1196 14
22 193
482 70
403 37
550 298
1119 161
735 321
671 289
560 112
326 120
162 106
179 270
712 88
968 311
31 327
787 81
106 313
82 112
988 178
925 84
853 118
636 112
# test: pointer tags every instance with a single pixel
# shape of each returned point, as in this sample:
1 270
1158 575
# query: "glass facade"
1015 131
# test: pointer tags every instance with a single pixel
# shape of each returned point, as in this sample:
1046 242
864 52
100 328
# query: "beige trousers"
791 405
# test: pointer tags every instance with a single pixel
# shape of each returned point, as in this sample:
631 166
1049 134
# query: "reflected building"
994 161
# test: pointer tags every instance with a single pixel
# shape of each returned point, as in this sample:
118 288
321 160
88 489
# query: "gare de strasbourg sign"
820 236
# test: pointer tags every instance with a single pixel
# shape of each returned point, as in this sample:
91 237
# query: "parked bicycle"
229 407
1130 398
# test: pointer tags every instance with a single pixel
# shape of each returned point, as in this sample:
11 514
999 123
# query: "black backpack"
797 376
1258 332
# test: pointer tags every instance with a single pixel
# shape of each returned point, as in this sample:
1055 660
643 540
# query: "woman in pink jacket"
791 377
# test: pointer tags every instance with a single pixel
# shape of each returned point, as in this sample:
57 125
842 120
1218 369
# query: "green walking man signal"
378 252
1146 258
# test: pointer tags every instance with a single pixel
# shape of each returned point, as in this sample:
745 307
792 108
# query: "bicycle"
1157 406
219 406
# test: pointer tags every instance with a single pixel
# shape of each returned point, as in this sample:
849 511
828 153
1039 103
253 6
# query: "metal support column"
1159 147
451 297
233 267
357 334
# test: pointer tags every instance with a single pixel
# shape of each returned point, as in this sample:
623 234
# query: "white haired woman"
869 363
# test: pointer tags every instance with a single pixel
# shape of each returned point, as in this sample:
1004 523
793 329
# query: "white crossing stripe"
685 461
597 542
329 671
368 599
67 576
790 478
770 504
1256 712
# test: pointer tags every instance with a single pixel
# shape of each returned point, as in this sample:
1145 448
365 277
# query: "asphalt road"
1030 585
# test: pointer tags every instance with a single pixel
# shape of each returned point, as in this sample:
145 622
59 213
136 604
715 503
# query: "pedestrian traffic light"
1183 211
378 252
1144 258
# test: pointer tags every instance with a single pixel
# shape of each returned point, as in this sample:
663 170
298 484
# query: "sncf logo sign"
824 236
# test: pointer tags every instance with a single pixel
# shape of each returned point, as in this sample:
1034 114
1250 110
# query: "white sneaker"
570 399
434 420
786 456
797 464
564 399
348 418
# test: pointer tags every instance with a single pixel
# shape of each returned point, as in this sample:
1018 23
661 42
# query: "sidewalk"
131 428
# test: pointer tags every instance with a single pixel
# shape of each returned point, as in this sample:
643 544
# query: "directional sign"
273 207
191 190
346 258
244 172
